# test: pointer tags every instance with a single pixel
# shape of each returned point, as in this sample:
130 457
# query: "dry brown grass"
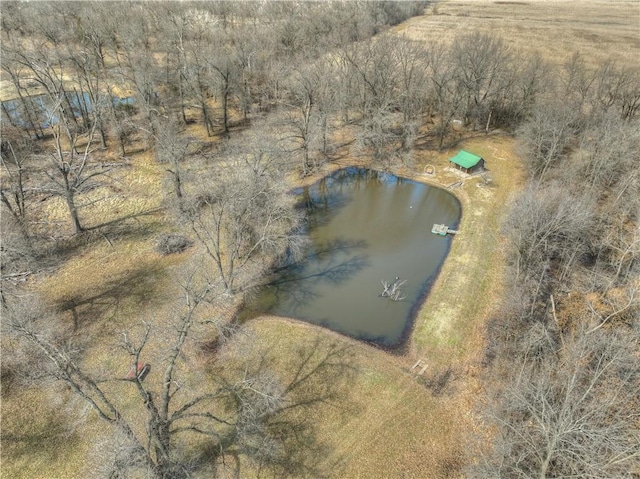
466 287
598 29
388 424
37 440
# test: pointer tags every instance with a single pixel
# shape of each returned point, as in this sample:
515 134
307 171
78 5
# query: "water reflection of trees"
325 198
332 262
321 204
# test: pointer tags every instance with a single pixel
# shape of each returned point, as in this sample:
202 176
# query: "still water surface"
364 227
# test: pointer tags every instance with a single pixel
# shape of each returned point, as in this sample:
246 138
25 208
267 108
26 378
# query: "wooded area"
235 103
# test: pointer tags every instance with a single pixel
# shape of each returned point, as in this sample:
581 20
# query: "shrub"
172 243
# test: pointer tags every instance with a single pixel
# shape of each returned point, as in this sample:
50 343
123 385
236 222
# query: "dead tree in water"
393 290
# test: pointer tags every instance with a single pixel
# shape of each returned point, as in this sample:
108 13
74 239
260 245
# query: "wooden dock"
419 363
443 230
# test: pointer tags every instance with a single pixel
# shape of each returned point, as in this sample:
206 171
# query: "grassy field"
390 423
600 30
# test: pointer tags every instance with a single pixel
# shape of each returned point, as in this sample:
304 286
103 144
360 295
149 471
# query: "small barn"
468 162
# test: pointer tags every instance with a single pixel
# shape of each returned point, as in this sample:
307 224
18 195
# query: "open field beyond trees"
292 399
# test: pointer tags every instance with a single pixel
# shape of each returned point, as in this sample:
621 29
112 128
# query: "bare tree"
571 416
305 117
629 93
380 139
196 79
93 104
548 224
482 65
606 152
249 67
28 112
412 100
533 75
71 173
621 249
137 66
18 258
44 64
17 163
246 219
446 92
224 69
171 148
247 413
546 136
577 80
375 66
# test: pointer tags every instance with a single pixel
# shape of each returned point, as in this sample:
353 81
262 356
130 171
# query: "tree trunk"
225 112
82 105
205 118
177 184
122 145
73 212
181 95
103 134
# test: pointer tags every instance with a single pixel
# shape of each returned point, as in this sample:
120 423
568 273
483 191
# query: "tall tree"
483 63
72 173
246 219
570 416
412 101
246 412
546 136
445 91
17 162
171 149
306 114
375 66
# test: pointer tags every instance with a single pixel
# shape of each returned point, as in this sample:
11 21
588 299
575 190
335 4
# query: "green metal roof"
465 159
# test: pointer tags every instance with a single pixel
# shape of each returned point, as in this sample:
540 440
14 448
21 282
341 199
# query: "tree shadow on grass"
315 377
116 226
127 228
440 381
321 376
136 288
45 437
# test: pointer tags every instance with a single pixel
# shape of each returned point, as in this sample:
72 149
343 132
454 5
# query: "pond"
42 110
364 227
